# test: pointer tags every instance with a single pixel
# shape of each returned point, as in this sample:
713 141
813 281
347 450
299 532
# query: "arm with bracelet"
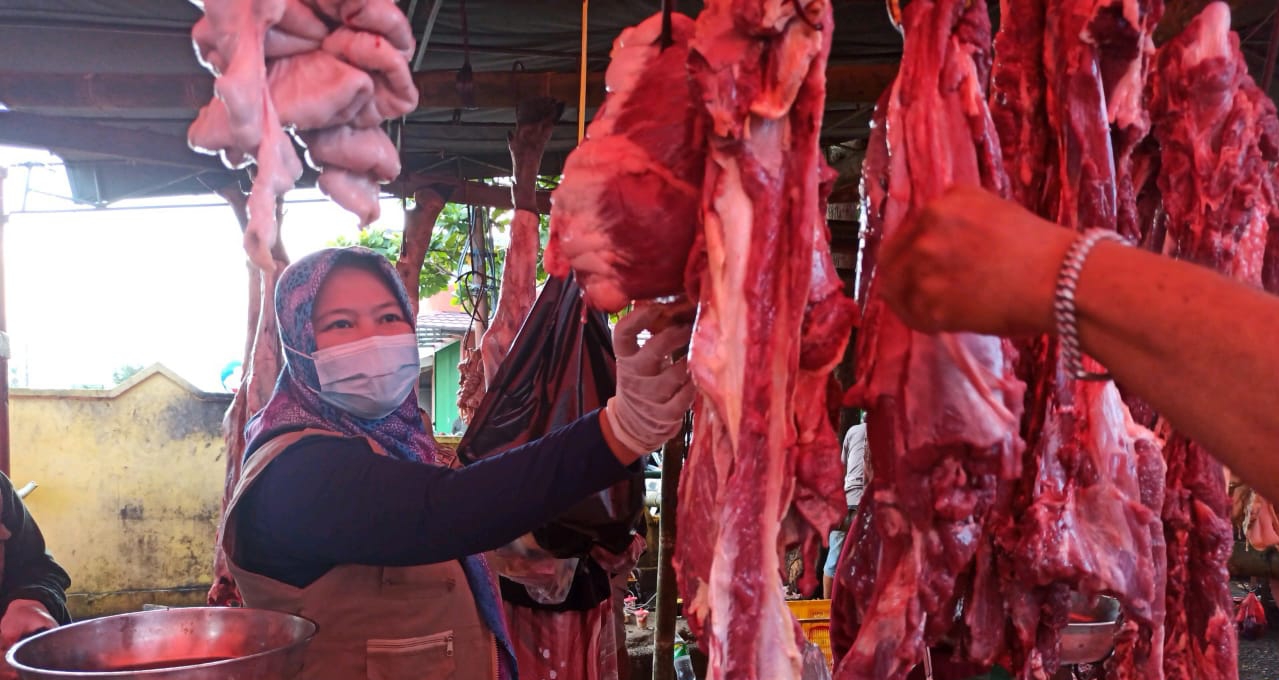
1200 348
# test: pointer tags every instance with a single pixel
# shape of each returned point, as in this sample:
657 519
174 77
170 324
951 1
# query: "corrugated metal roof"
439 328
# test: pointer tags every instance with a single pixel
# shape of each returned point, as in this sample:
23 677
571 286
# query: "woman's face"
353 304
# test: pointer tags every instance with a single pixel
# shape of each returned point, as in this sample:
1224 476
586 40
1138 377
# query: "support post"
664 638
4 345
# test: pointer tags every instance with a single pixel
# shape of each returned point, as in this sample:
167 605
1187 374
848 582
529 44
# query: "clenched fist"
971 261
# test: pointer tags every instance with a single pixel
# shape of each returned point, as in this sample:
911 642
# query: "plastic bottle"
683 662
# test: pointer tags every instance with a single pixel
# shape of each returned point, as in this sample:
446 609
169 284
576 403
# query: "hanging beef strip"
1017 99
944 410
1082 517
772 323
1091 525
1219 139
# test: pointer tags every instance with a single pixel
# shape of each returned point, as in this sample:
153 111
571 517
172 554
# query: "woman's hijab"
295 404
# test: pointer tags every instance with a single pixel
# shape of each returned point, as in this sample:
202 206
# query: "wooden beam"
466 192
48 132
104 91
109 92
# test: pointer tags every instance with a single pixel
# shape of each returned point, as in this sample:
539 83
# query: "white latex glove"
653 390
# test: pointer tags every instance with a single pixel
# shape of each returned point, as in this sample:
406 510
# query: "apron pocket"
429 657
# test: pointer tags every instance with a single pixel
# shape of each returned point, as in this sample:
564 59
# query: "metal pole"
664 638
581 88
4 346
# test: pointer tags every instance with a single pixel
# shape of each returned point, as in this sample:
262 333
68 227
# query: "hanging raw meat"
763 474
330 72
534 122
419 224
944 410
771 324
1089 502
1017 99
263 361
1095 510
470 371
516 295
1219 140
625 214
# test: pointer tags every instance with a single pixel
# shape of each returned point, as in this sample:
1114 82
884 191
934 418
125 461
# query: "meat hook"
895 15
666 39
802 13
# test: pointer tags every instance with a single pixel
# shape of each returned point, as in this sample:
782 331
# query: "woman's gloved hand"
653 388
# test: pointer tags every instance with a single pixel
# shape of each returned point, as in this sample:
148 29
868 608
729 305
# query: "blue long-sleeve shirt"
327 501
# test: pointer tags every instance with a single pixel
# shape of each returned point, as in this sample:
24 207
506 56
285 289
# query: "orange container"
814 619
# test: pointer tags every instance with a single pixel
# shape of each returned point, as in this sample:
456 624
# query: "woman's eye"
340 323
391 318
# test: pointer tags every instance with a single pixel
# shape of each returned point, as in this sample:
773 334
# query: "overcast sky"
91 290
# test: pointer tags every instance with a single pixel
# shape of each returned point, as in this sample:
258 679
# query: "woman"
1199 347
33 587
342 515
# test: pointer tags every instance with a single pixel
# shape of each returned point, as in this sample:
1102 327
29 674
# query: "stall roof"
111 86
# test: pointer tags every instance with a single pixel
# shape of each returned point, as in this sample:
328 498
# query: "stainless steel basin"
1090 640
196 643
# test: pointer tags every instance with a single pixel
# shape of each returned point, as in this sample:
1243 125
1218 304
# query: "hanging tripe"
279 67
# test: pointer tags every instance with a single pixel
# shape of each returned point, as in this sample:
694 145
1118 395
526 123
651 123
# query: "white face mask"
368 378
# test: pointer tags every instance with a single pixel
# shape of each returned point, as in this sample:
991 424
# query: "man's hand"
970 261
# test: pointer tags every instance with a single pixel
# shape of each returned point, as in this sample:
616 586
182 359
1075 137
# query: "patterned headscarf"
296 405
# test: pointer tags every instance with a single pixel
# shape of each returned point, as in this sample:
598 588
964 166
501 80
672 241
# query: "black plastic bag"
560 367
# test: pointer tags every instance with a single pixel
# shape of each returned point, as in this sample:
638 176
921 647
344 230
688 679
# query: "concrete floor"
1259 659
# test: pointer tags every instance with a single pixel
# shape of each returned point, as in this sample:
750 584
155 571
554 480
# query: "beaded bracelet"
1064 312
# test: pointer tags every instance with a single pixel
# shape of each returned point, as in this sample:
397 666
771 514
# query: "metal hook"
895 15
666 39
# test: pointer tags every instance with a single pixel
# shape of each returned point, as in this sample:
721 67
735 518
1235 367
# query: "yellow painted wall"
130 487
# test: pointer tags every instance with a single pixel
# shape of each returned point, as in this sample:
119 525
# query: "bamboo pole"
4 346
664 638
